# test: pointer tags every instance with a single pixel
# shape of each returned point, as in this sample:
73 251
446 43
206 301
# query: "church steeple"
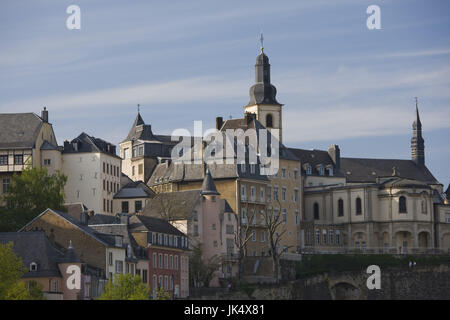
417 142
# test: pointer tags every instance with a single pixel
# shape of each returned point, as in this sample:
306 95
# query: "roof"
139 130
34 247
134 189
173 205
367 170
227 208
99 218
48 146
86 143
75 209
19 130
124 179
208 186
315 158
102 238
152 224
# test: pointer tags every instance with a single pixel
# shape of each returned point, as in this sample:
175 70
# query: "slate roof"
447 192
367 170
34 247
146 223
75 209
19 130
87 143
48 146
99 218
183 202
124 179
134 189
227 207
208 186
106 240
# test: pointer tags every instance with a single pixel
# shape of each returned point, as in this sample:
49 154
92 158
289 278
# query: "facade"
93 172
26 139
167 252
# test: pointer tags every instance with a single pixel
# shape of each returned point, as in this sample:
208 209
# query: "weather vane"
261 38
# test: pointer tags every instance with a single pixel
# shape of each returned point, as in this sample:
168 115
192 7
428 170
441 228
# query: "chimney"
66 144
44 115
335 154
219 123
84 218
91 213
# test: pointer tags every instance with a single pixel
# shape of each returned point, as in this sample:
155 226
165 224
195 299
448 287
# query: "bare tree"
273 224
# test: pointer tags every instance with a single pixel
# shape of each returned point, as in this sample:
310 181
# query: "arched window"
358 206
424 206
308 169
340 208
402 204
316 211
269 121
321 170
33 266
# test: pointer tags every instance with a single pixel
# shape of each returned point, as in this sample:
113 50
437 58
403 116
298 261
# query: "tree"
202 269
29 194
125 287
11 271
273 225
162 294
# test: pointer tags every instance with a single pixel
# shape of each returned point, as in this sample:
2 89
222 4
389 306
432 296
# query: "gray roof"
19 130
118 229
34 247
48 146
87 143
152 224
367 170
134 189
179 204
124 180
99 218
315 158
208 186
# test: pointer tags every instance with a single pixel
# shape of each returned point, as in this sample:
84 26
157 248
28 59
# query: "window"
308 169
47 162
160 260
124 206
283 194
243 192
295 195
261 194
283 173
358 206
138 205
126 153
330 171
110 258
296 218
55 286
119 266
104 167
252 168
263 236
176 262
340 208
244 216
269 121
316 211
295 174
253 235
18 159
423 205
132 170
284 214
3 160
140 169
5 185
144 276
331 233
229 229
338 236
166 261
402 205
324 233
275 193
214 226
166 283
215 244
171 262
155 260
33 266
317 236
252 193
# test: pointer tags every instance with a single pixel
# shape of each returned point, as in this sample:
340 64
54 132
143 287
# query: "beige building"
26 139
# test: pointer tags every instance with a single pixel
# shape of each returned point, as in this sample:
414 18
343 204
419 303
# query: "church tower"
417 142
263 102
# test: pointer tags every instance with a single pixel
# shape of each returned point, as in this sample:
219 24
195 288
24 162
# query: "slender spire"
417 142
261 38
208 186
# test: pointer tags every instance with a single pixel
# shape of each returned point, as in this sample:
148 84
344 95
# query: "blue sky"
340 83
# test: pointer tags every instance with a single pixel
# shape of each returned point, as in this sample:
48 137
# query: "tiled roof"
19 130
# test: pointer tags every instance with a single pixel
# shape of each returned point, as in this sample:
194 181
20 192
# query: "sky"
183 61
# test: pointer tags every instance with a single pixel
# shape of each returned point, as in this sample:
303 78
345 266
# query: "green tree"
162 294
29 194
125 287
11 270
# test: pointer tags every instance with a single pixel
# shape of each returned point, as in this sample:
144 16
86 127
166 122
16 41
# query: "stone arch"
424 238
269 120
385 241
359 240
403 240
445 241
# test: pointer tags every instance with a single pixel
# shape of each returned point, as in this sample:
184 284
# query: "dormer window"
118 241
330 171
321 170
308 169
33 266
